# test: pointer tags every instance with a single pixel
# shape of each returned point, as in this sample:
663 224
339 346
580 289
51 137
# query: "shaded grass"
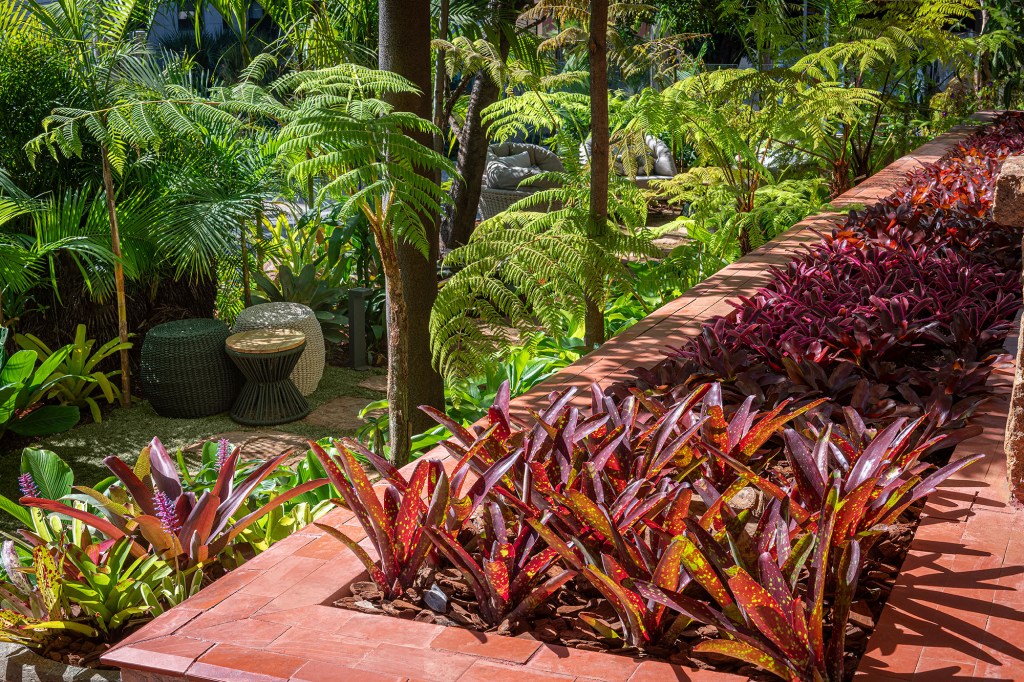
125 432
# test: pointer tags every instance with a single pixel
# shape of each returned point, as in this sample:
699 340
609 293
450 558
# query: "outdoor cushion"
509 163
521 160
657 163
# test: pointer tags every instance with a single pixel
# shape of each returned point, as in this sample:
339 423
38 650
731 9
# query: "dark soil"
579 617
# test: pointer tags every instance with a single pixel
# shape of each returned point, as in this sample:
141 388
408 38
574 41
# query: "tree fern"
525 271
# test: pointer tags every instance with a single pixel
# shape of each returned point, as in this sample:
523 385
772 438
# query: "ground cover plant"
725 504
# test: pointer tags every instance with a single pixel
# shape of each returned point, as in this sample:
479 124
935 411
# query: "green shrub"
34 79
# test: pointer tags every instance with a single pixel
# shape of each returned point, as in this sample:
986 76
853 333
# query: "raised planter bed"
272 619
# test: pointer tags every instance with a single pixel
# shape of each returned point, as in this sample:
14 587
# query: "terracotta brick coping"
271 620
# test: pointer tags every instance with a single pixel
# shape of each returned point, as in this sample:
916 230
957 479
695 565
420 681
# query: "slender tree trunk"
440 80
122 303
412 379
246 288
460 217
598 219
400 405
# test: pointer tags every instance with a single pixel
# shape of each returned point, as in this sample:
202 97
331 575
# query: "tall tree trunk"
598 220
122 302
440 80
460 217
412 380
401 406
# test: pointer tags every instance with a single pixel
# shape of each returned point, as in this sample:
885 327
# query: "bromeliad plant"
80 377
24 386
742 483
149 504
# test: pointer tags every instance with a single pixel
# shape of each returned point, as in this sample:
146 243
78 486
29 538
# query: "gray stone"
436 599
18 664
1008 207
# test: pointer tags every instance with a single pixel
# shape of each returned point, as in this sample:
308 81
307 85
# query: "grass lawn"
126 432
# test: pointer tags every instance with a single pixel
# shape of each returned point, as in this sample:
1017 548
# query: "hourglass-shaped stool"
266 358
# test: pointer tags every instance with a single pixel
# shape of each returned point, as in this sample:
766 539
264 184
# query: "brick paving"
954 613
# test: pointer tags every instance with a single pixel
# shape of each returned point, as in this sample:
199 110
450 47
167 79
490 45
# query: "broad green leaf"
47 420
51 474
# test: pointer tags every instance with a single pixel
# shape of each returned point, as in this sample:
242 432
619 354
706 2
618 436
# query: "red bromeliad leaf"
163 470
798 556
717 426
165 544
407 517
369 564
362 500
536 565
701 571
455 428
679 509
91 520
626 608
819 570
749 654
540 594
585 509
571 556
218 545
200 522
768 617
771 423
439 503
929 484
497 575
775 583
713 516
851 512
808 477
874 455
139 491
748 474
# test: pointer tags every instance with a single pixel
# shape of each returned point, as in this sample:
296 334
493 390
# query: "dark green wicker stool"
185 372
267 358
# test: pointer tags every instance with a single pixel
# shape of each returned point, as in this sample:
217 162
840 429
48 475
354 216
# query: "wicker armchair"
508 165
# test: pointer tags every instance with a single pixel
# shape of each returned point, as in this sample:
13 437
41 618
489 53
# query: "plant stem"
122 304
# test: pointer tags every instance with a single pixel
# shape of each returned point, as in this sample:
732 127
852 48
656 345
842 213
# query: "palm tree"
99 37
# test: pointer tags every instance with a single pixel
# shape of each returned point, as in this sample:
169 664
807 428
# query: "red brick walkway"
953 614
957 610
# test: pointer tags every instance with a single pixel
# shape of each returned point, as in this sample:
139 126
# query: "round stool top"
197 327
274 314
260 341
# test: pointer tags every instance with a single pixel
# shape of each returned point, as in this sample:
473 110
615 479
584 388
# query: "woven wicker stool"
310 366
185 372
266 358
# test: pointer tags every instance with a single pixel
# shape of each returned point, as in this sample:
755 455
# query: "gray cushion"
657 162
509 163
520 160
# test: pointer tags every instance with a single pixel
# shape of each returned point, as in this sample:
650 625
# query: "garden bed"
283 593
